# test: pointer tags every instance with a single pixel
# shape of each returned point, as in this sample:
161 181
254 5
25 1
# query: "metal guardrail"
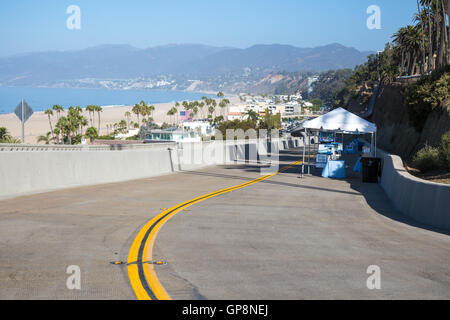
4 147
50 148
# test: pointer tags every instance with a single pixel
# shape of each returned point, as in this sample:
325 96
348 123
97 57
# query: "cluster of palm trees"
424 47
144 110
69 128
119 127
92 109
173 112
206 108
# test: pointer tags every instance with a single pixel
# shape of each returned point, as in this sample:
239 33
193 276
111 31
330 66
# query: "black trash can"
371 169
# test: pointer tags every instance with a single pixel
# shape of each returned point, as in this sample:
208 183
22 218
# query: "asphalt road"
281 238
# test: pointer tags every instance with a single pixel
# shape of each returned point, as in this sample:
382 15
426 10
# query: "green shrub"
427 159
444 150
425 95
77 139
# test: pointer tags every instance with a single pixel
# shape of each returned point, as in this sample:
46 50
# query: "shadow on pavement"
373 193
377 199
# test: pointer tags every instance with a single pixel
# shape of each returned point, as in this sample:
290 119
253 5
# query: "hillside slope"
396 135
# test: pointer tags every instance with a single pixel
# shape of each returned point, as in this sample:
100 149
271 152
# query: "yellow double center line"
142 276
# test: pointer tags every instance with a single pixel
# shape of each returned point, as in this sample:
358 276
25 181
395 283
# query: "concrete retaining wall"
424 201
38 168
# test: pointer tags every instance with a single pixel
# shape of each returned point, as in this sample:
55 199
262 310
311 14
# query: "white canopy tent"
340 121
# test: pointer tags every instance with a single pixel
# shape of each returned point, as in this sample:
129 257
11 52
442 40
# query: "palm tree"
58 110
172 112
214 104
151 109
3 133
98 109
442 35
223 104
45 138
91 110
49 112
137 110
177 105
211 110
56 132
144 112
185 105
252 115
431 64
201 105
445 35
399 39
91 133
128 115
434 15
422 45
194 111
68 127
413 41
447 2
408 40
123 126
81 119
12 140
5 137
83 123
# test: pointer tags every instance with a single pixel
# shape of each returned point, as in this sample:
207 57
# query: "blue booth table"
334 169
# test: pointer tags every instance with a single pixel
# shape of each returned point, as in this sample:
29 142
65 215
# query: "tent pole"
375 144
317 143
371 144
304 149
309 154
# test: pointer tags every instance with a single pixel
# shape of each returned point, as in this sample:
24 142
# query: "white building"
202 127
175 135
130 133
237 112
292 108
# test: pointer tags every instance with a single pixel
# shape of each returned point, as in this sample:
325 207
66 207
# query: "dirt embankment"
359 102
395 133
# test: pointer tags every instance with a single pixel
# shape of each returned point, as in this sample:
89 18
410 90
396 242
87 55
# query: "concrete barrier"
422 200
38 168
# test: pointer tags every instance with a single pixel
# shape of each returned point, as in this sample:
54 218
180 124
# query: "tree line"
69 128
71 125
422 47
206 109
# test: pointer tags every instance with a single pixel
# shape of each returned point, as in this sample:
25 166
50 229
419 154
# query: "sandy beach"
38 123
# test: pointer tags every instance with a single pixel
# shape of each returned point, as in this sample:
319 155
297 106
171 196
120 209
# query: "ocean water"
41 99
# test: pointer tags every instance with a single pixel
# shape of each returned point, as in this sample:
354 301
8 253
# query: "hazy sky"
40 25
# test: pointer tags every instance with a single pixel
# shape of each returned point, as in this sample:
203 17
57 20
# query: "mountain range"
187 61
